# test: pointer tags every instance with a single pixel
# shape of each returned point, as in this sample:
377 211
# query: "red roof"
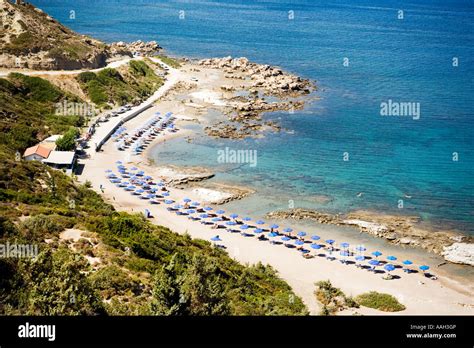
37 150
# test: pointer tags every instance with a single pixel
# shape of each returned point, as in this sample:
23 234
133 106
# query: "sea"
348 149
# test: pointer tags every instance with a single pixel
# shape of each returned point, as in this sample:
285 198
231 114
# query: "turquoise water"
390 158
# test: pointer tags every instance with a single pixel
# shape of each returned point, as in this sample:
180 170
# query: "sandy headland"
240 92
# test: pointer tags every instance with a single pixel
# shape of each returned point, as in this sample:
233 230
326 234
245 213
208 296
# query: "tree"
68 141
189 288
57 286
167 296
204 288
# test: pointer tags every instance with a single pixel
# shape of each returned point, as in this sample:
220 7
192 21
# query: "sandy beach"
189 92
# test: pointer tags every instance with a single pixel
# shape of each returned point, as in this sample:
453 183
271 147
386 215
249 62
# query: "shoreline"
297 271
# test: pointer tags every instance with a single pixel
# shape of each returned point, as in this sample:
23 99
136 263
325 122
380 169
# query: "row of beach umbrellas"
244 224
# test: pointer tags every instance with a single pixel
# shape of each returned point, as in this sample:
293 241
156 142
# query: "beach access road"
114 64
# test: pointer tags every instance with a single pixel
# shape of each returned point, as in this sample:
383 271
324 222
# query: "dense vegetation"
28 113
68 141
143 268
332 298
109 86
382 302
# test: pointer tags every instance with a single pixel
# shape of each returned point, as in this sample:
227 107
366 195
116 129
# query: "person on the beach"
101 188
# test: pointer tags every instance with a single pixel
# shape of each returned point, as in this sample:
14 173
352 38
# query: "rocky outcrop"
403 230
271 79
140 47
214 193
34 40
176 176
461 253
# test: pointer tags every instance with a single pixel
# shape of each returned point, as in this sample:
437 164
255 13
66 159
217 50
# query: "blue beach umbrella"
315 237
258 230
108 171
391 258
195 204
260 222
272 234
344 253
118 162
186 200
360 248
330 241
131 187
287 230
285 238
165 194
301 234
203 216
247 218
207 208
360 257
274 226
190 211
374 262
134 168
299 242
231 223
216 219
376 253
244 227
407 262
233 216
220 211
389 267
424 268
150 196
344 245
216 239
169 201
140 191
177 206
315 246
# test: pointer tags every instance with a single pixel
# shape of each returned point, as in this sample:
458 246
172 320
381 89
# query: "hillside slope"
29 38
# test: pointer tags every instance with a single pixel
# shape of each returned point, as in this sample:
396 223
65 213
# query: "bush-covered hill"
110 86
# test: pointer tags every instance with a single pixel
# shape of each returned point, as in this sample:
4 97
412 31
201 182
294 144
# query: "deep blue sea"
391 158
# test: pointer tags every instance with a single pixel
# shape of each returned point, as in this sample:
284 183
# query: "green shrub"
68 141
332 298
169 61
380 301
